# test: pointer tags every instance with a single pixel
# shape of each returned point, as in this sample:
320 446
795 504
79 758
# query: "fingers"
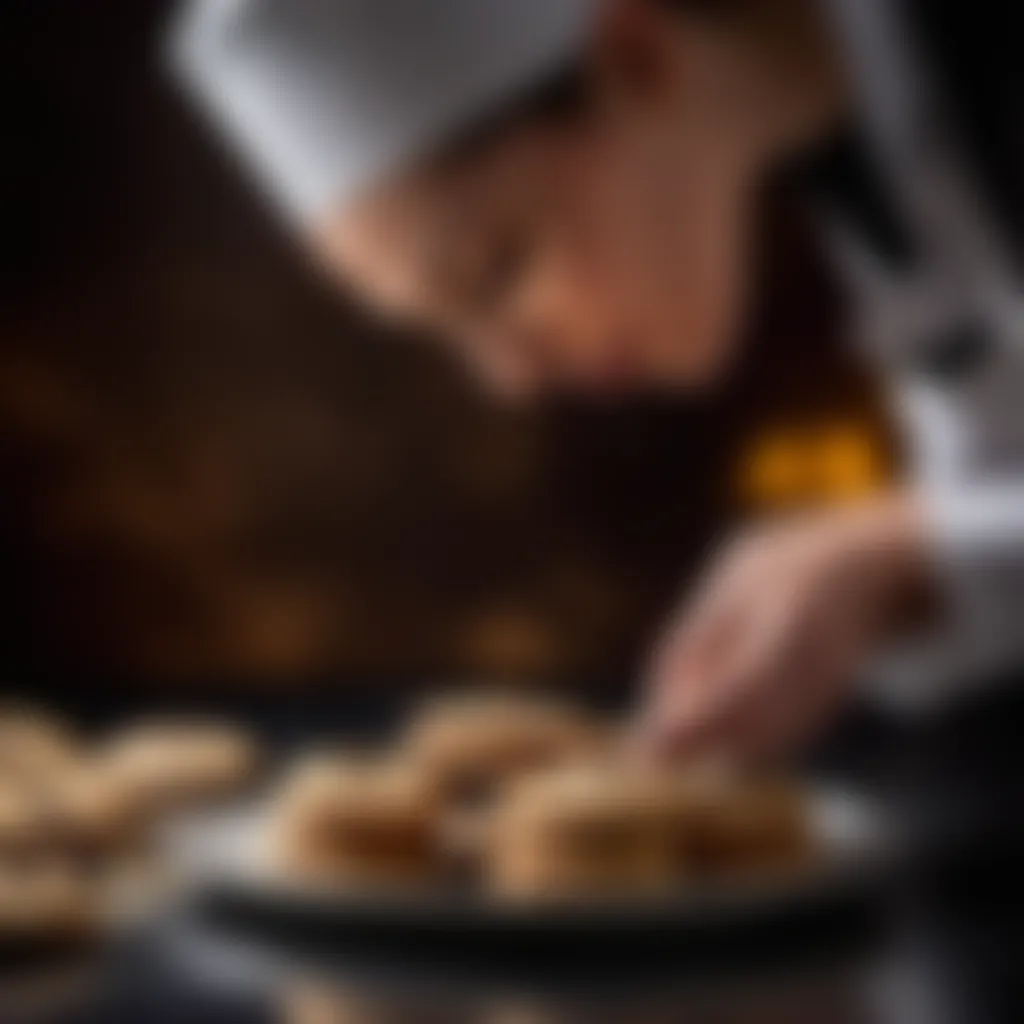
699 715
773 721
696 652
768 690
765 655
691 645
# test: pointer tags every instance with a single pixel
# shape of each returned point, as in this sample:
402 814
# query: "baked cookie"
45 899
470 744
174 764
96 811
310 1003
33 746
24 830
584 831
355 821
746 825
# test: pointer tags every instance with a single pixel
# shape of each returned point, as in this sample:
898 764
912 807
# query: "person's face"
604 253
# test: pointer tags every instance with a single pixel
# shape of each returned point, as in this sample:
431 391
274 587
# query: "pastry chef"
565 193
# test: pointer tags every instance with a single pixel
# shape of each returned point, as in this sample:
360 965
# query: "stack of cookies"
527 800
77 816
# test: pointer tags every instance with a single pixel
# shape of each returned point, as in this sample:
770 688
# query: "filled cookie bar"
355 821
607 829
584 831
743 825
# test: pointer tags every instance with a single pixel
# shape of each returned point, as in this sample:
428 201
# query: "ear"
636 49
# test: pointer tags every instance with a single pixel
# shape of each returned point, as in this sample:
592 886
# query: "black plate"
835 902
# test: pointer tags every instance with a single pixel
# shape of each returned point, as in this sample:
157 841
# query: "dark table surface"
951 948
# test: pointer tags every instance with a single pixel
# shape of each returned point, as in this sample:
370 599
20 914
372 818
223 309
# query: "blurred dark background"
213 468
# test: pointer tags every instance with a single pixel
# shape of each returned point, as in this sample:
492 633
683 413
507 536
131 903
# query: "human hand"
786 617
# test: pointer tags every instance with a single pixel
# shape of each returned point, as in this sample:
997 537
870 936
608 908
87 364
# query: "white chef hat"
327 96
